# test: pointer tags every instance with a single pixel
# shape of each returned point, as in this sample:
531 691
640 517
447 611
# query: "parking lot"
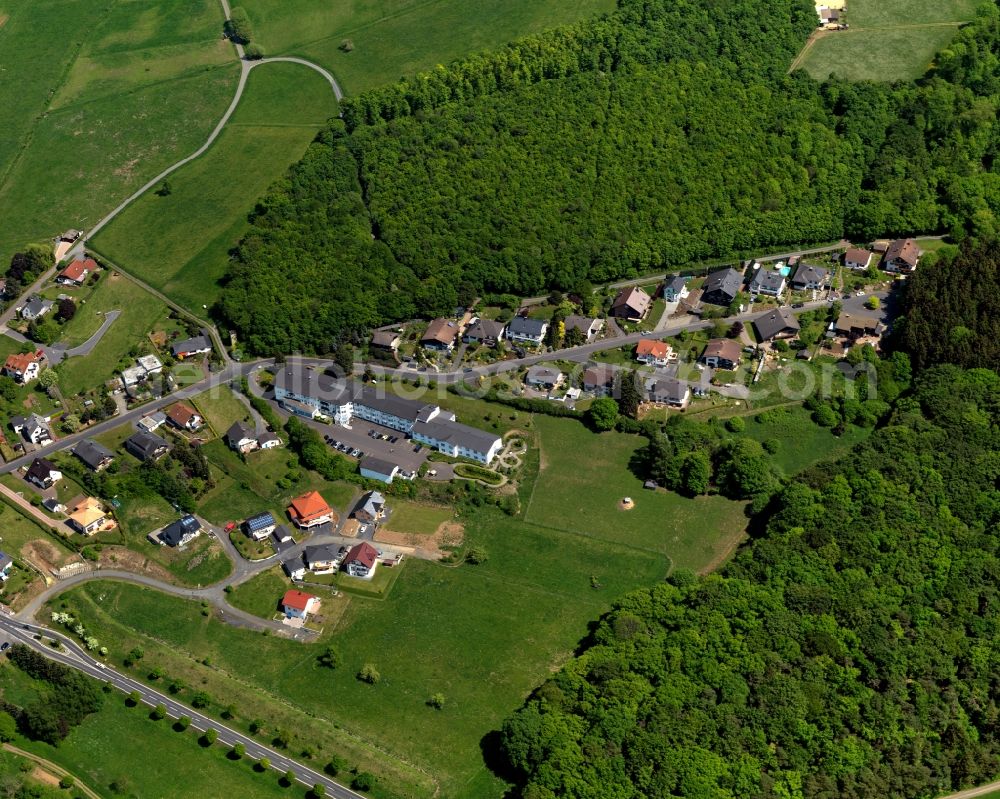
358 437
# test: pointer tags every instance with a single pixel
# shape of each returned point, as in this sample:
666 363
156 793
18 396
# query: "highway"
72 655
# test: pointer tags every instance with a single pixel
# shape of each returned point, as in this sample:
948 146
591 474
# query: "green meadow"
102 97
392 38
887 39
179 243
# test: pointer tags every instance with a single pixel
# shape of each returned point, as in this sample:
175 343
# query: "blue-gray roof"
525 326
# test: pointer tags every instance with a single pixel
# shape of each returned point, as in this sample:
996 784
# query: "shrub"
364 781
369 674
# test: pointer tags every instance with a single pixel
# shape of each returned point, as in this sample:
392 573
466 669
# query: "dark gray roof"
483 329
378 465
670 387
92 453
259 521
727 281
677 283
387 403
5 560
807 273
543 374
40 469
457 434
237 432
174 533
766 280
525 326
320 553
773 322
145 445
195 344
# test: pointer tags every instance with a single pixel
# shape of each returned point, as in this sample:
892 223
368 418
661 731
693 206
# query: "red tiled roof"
297 600
78 270
309 506
364 553
19 363
646 346
181 414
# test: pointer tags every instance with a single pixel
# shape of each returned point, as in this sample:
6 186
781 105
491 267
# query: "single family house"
310 510
810 278
669 391
24 367
35 308
77 272
856 258
631 304
180 532
653 353
6 563
42 473
298 605
147 446
371 508
153 422
440 335
184 417
525 330
722 287
94 456
322 558
484 331
779 323
721 353
675 289
767 282
903 255
589 327
544 377
361 560
198 345
34 428
87 516
387 340
599 380
260 526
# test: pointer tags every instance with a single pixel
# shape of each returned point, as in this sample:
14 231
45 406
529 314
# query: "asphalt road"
72 655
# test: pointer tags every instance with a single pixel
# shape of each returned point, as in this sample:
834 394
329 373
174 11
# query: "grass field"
180 243
398 37
802 442
261 594
141 311
110 743
106 96
417 518
584 476
887 39
482 635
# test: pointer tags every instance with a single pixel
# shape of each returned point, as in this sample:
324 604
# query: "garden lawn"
180 243
802 442
245 488
416 518
482 635
583 477
117 742
16 530
399 37
98 98
141 311
221 407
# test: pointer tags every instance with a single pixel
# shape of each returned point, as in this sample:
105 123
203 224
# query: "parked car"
355 453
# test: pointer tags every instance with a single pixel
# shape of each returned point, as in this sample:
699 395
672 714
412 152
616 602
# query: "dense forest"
950 312
852 651
663 133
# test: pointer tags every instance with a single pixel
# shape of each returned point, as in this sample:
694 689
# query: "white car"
860 294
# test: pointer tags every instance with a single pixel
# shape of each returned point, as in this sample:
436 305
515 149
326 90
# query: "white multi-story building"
308 393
